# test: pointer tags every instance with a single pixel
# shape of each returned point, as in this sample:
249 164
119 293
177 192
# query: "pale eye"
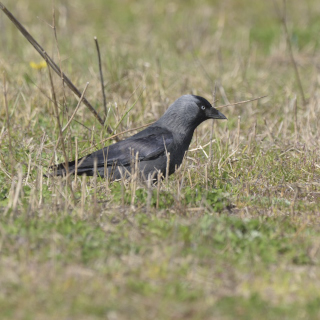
203 108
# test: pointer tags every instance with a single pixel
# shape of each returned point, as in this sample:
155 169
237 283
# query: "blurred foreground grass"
232 236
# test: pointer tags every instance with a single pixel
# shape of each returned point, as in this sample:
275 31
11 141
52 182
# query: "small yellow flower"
39 65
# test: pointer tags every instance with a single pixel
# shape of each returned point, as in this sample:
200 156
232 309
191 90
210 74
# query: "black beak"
215 114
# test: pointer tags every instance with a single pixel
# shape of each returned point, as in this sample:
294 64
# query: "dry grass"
235 236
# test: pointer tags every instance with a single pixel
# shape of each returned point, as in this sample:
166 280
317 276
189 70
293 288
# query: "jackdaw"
167 139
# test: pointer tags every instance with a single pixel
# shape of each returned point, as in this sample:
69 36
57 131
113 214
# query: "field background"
234 234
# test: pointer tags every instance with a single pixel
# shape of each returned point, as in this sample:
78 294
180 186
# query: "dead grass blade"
240 102
283 19
8 120
101 79
77 108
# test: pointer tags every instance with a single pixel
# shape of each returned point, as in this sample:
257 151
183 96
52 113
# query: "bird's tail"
61 169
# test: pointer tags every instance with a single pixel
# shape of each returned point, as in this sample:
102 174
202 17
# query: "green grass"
232 237
87 265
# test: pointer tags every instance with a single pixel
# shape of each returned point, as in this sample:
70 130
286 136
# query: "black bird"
171 134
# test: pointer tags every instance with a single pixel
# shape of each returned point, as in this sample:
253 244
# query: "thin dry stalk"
10 196
76 162
5 172
269 129
182 172
101 79
238 131
83 194
293 203
119 122
240 102
8 120
212 121
168 166
190 180
283 18
149 195
202 147
158 188
32 200
54 99
40 184
134 178
178 190
221 165
95 173
18 189
105 170
206 175
60 132
29 168
122 187
59 57
223 95
252 137
294 102
77 107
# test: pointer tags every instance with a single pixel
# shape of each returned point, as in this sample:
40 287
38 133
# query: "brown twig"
101 79
51 63
240 102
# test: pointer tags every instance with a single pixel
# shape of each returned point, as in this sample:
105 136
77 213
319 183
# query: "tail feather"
61 170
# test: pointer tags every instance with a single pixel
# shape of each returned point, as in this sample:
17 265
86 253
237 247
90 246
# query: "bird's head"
199 108
189 111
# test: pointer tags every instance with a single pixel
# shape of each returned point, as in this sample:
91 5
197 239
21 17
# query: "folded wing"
149 144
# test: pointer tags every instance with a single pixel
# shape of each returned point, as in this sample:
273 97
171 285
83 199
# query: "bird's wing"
148 144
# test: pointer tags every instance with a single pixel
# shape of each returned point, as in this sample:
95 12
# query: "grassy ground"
234 234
